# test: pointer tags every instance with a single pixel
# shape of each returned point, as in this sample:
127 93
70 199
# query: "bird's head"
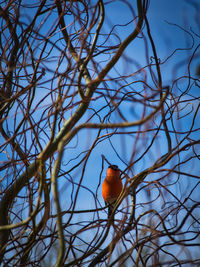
113 170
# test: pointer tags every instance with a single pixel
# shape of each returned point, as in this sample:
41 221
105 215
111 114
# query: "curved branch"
54 177
123 45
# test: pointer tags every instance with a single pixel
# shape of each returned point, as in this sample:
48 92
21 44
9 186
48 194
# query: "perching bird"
111 187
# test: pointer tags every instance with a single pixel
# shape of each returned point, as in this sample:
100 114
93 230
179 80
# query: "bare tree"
74 97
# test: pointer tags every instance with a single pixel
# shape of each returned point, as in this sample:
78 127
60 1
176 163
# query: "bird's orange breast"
111 188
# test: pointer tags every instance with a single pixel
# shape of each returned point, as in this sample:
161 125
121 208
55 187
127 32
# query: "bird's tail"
110 210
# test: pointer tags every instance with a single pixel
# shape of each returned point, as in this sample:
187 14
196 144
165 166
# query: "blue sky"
166 19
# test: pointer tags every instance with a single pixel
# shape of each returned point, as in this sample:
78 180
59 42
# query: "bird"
111 188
